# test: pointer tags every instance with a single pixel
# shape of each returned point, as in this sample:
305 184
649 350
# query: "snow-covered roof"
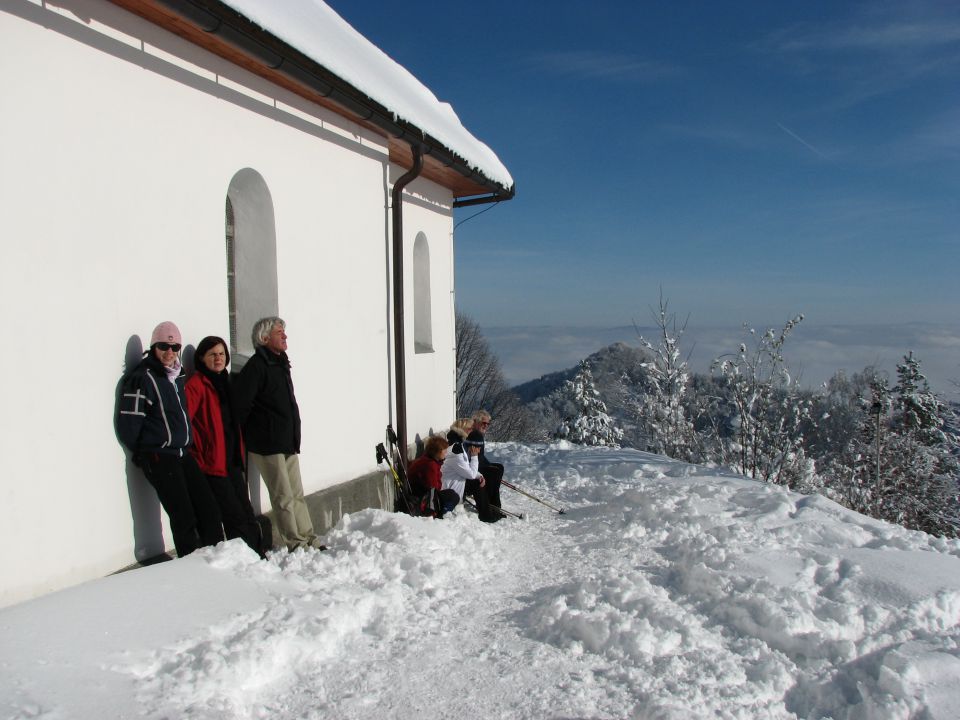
314 29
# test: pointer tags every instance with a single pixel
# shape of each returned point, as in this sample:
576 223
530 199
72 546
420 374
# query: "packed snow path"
665 591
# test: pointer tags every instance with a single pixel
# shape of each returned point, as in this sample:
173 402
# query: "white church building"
210 163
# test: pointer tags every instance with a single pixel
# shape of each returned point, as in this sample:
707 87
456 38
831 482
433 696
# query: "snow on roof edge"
316 30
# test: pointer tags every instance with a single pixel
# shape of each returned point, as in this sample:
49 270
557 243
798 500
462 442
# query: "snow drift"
666 591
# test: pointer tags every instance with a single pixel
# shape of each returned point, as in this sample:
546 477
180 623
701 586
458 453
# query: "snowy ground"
665 591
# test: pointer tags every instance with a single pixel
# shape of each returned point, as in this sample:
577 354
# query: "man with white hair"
268 413
492 471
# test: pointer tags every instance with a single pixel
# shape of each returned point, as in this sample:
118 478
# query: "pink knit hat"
165 332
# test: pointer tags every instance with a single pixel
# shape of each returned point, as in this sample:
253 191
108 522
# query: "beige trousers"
281 475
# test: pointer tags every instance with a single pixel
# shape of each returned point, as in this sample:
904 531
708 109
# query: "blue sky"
753 159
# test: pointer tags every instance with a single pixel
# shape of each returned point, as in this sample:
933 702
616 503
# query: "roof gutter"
216 18
492 198
399 350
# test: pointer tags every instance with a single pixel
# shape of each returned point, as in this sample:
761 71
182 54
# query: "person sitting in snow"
425 477
152 422
459 430
459 474
493 472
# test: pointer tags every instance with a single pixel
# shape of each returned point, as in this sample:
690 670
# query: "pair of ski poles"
532 497
403 486
519 516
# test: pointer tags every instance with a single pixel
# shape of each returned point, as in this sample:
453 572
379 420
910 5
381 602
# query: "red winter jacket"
423 474
209 445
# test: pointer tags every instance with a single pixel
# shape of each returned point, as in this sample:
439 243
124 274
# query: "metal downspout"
400 358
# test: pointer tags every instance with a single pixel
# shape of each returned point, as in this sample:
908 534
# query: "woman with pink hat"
154 425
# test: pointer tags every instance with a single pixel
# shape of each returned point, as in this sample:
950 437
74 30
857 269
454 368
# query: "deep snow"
666 591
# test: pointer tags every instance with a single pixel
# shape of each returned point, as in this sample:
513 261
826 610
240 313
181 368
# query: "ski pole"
397 466
532 497
383 457
505 513
395 446
402 492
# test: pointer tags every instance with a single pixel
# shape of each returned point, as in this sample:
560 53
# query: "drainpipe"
399 360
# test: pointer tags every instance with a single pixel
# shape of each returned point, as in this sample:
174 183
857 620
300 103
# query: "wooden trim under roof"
450 172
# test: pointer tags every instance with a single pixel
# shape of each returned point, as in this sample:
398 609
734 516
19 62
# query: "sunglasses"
168 346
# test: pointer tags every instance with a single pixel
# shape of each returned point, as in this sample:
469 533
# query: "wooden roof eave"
219 29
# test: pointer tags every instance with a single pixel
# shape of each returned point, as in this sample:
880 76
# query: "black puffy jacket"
266 406
152 415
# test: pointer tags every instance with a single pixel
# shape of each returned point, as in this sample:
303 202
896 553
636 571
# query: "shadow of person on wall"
237 361
148 546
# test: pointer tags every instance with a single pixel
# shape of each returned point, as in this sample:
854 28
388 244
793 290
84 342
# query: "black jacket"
265 404
152 415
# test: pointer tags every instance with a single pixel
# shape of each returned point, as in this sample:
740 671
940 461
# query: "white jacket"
457 468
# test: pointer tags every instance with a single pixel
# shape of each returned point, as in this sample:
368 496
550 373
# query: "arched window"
251 235
422 314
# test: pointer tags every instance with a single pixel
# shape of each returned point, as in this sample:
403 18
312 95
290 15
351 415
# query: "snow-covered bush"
769 410
662 413
587 422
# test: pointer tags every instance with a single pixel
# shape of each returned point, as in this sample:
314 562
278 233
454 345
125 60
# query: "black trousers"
482 499
233 499
448 500
185 494
493 474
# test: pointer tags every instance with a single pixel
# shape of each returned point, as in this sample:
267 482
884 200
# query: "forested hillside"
884 446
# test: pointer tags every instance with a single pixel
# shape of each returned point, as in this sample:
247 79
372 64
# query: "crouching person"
425 476
493 472
459 473
154 425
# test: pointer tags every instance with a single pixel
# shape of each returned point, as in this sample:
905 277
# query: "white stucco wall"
431 377
119 144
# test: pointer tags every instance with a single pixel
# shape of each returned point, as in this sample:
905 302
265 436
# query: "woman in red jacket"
217 443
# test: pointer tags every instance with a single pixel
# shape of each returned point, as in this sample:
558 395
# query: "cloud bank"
813 352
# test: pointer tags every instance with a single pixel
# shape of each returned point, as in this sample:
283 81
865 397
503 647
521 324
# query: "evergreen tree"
918 413
587 422
904 468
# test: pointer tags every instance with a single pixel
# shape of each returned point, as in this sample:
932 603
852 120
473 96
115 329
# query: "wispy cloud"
939 138
886 37
803 142
874 52
721 135
593 65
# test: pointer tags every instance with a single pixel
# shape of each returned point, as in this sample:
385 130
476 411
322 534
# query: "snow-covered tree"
769 410
855 476
586 421
918 412
921 470
662 414
901 467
